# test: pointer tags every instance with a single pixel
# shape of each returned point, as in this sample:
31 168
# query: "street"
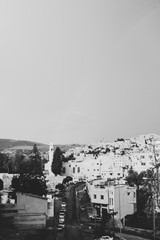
130 237
73 229
77 224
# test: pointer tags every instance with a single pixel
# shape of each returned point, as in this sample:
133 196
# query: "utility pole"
155 187
77 204
157 173
108 197
55 220
119 208
154 217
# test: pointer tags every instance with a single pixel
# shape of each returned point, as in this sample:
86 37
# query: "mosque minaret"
49 163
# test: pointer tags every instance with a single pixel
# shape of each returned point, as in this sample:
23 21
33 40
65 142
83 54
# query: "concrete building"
90 167
27 211
112 196
142 161
47 167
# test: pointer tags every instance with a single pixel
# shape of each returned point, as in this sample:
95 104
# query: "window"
111 174
9 211
64 170
94 196
110 201
69 165
102 196
78 169
73 169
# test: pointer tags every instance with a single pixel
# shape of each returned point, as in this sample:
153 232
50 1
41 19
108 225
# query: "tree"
67 179
36 166
132 177
60 186
57 161
145 194
68 158
31 179
143 217
1 184
4 163
16 163
26 183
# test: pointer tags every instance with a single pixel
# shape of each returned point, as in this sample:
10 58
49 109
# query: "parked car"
94 218
63 204
61 213
61 216
106 238
83 208
62 225
59 227
63 209
61 220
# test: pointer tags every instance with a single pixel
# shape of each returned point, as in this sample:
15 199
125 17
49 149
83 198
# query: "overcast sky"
79 71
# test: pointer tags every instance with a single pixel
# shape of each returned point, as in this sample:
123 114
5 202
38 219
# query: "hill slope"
10 144
20 144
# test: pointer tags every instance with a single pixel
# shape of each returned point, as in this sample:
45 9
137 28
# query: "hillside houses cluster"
113 160
109 160
104 167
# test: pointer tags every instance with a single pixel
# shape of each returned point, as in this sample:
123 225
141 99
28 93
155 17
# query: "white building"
142 161
48 165
7 179
107 196
90 167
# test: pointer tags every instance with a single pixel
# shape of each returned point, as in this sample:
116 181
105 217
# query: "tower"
51 150
48 165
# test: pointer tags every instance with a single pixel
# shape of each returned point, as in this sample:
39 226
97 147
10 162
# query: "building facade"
112 196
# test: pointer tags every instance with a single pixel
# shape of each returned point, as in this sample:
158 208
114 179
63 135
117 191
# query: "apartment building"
91 167
142 161
115 196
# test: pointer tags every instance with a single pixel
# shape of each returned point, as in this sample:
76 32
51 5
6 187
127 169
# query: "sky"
79 71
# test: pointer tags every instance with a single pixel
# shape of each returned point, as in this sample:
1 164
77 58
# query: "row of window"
78 171
95 196
74 170
102 197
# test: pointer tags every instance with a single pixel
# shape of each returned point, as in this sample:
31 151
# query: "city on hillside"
87 192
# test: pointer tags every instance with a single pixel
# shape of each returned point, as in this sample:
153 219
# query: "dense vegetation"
147 190
30 169
57 161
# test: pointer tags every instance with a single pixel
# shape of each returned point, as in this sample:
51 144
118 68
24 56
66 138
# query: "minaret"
51 152
49 163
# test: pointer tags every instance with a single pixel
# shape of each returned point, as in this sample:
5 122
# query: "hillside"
10 144
20 144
